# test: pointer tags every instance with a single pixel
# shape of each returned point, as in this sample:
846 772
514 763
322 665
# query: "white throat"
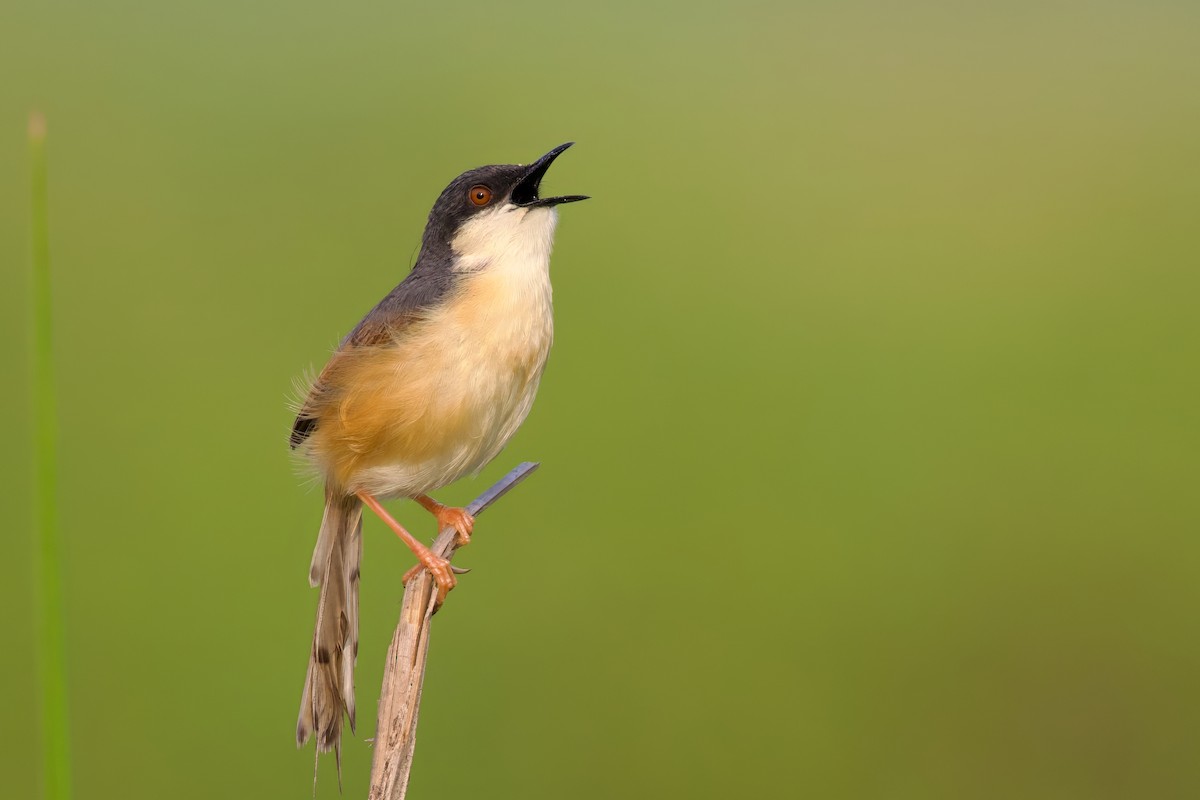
507 237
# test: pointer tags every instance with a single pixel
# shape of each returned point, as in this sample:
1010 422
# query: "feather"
423 289
329 682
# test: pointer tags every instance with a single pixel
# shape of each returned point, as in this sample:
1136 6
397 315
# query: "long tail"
329 684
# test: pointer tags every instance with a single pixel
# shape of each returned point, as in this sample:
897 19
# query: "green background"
869 438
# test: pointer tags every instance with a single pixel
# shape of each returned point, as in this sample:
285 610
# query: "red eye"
480 195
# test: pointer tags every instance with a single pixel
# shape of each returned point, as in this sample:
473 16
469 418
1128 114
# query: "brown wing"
425 287
362 338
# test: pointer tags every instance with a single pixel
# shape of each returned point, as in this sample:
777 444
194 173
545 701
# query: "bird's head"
491 208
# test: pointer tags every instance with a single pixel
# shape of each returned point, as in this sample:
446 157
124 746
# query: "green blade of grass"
51 632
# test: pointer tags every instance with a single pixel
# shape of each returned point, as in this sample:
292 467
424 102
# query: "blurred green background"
869 439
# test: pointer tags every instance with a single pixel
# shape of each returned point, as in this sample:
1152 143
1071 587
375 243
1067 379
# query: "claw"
442 572
416 569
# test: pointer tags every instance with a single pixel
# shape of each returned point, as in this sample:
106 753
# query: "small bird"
427 388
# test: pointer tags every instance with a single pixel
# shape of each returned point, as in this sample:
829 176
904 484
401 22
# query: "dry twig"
404 672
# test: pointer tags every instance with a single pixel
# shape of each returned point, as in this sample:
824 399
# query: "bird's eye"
480 195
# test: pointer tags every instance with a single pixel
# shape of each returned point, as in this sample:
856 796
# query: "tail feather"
329 683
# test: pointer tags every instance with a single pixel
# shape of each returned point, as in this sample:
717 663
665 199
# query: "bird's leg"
438 567
457 518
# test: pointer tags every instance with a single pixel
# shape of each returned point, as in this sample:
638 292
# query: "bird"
427 388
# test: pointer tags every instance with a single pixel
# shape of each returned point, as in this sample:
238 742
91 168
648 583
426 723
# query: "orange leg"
438 567
446 516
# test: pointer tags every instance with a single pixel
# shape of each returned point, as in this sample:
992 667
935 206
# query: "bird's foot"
448 516
457 518
439 568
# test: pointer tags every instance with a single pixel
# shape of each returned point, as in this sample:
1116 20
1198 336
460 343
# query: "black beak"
525 193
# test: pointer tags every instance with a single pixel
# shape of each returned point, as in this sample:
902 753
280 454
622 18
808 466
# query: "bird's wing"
404 305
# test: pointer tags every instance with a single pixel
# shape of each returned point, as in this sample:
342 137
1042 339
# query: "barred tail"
329 684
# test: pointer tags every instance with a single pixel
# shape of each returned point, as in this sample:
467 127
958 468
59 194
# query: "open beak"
525 193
